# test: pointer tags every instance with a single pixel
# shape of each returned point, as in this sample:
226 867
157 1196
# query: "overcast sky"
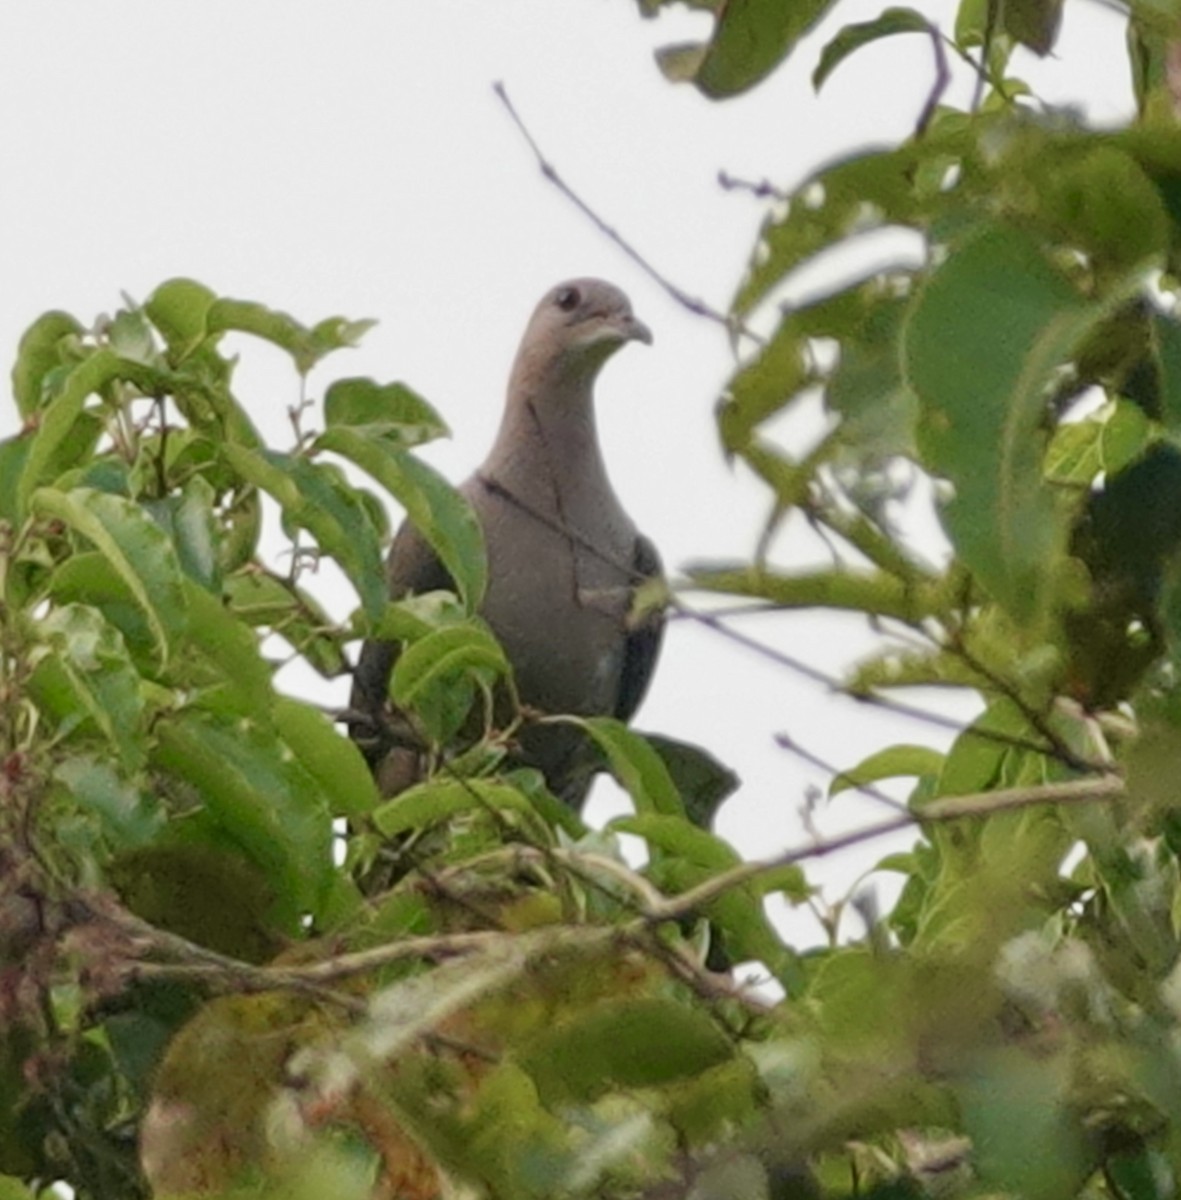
351 159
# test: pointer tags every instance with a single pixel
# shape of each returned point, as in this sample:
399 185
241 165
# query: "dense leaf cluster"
227 963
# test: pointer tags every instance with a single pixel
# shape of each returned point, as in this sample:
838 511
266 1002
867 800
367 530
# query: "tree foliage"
226 962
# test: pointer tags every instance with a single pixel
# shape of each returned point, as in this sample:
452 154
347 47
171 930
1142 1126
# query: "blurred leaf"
375 410
888 764
853 37
632 1042
136 548
129 817
40 351
205 894
434 508
1026 1136
989 330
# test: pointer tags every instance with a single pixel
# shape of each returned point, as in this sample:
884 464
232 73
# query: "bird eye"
567 299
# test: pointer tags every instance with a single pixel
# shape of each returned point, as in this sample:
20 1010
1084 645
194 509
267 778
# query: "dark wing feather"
411 568
643 643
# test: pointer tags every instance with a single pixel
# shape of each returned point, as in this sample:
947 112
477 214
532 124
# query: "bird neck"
547 451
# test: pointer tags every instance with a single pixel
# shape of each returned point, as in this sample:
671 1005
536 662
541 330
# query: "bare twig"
786 742
950 808
764 189
693 304
942 79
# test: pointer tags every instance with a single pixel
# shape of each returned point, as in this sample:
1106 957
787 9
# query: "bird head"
577 326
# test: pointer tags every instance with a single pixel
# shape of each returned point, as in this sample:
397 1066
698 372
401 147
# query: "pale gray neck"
547 451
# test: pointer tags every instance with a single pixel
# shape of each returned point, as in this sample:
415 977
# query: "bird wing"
642 647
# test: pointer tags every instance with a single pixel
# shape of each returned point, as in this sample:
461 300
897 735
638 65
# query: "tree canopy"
227 964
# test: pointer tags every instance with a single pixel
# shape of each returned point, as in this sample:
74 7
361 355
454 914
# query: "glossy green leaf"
636 765
856 591
439 799
429 669
306 346
889 22
390 410
891 763
260 598
317 498
90 657
329 758
40 351
229 645
988 332
1033 23
437 511
751 38
630 1042
179 308
64 408
266 803
137 550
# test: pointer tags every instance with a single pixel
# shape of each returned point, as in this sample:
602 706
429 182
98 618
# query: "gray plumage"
564 558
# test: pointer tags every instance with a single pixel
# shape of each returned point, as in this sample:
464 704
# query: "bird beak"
634 330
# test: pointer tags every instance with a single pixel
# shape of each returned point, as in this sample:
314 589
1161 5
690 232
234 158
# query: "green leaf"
1033 23
306 346
40 351
333 761
430 668
636 765
260 598
128 816
437 800
858 591
375 410
853 37
14 453
317 498
890 763
751 38
179 308
987 334
1027 1136
90 656
65 406
631 1042
434 508
230 646
136 548
685 856
265 802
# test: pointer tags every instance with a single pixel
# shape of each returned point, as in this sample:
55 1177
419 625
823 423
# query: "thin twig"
949 808
942 80
786 742
693 304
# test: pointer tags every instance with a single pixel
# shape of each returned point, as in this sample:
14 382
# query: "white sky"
350 158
